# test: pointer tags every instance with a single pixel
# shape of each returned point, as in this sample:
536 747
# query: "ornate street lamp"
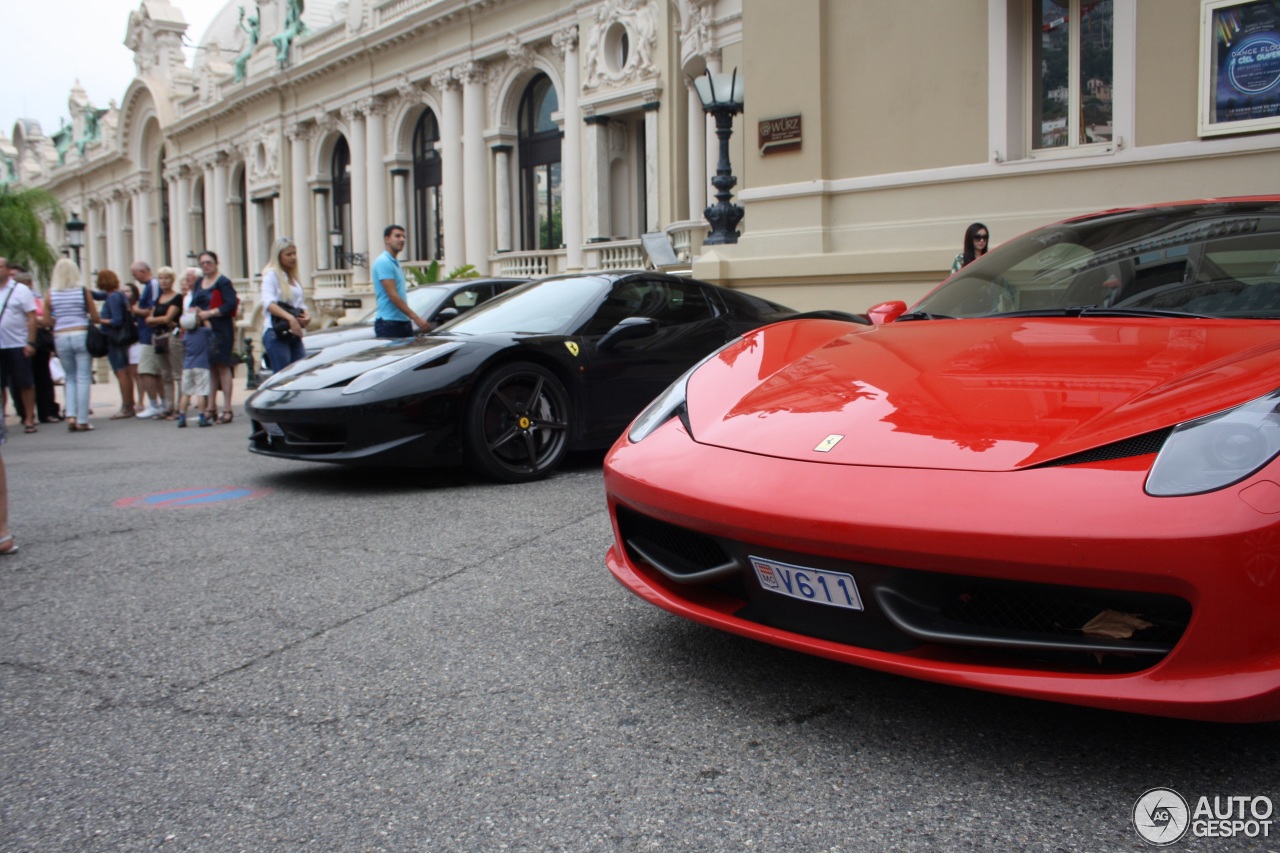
75 235
340 258
721 95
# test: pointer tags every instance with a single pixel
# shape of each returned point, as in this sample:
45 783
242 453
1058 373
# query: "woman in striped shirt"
73 309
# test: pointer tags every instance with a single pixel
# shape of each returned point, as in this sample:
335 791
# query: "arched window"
340 181
428 242
540 190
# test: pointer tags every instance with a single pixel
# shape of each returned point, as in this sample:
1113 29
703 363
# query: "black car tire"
517 423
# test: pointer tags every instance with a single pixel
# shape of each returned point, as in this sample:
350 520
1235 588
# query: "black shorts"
15 369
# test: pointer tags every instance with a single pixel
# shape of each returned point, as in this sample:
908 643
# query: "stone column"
571 152
322 251
475 166
652 199
217 215
697 153
359 184
299 218
142 243
400 203
451 179
115 260
172 184
596 163
502 190
375 174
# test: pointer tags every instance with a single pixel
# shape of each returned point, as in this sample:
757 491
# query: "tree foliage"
22 217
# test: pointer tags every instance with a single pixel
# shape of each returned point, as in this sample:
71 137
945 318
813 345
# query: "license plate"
836 589
273 429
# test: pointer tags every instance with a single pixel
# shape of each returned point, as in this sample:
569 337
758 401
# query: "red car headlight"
1213 452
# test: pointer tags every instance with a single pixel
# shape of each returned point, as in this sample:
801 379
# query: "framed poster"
1239 66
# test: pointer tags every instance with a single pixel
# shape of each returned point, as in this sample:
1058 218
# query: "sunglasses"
979 236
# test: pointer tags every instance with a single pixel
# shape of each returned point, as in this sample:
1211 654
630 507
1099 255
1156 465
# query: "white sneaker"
150 412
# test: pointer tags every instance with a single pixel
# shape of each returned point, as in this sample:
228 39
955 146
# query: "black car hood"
341 363
338 365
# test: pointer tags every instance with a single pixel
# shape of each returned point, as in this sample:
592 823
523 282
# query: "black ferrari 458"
509 387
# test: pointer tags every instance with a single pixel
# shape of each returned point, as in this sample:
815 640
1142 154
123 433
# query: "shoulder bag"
95 340
126 334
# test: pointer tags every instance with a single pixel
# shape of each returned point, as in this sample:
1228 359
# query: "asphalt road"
343 660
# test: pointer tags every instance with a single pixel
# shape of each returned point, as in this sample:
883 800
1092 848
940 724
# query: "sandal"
71 426
84 427
226 417
13 546
122 414
29 428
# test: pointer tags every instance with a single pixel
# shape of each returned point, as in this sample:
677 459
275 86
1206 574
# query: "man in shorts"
17 343
153 370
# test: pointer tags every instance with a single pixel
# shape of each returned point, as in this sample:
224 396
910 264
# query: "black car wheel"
517 426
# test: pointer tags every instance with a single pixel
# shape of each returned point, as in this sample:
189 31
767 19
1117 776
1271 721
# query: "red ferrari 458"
1055 476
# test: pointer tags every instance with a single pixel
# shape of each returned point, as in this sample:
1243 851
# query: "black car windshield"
423 299
1217 259
542 307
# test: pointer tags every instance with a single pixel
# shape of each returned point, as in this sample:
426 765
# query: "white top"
271 292
69 308
14 332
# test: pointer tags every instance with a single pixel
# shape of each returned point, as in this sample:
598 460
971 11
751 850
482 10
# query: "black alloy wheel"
517 425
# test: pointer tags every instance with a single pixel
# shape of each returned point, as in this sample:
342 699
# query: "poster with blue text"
1244 66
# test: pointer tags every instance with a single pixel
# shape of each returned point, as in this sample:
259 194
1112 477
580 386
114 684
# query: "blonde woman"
73 309
282 300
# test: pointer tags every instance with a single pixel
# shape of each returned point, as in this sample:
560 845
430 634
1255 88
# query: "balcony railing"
528 264
618 255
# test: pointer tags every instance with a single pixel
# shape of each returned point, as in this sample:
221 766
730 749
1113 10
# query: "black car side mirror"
629 329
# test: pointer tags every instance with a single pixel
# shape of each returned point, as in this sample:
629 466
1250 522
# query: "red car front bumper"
1082 526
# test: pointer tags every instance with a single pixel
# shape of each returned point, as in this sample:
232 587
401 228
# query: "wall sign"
783 133
1239 66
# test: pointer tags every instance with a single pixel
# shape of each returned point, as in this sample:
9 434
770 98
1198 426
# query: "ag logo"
1161 816
571 347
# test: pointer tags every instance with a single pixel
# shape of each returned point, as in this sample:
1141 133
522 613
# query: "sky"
52 43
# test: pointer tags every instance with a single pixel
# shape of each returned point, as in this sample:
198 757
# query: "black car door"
624 372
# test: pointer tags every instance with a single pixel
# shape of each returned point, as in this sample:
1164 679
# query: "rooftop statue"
294 27
92 128
251 27
62 142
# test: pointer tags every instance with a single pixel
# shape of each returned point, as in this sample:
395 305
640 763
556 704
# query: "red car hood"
979 394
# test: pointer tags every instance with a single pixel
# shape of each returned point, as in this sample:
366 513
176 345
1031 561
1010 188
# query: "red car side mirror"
886 312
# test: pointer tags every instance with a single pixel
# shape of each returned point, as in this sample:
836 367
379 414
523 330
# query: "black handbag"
95 341
124 335
280 325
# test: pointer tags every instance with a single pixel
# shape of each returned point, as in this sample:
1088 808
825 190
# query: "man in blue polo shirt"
394 318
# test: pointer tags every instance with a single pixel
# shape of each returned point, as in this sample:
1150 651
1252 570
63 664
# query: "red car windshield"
1209 260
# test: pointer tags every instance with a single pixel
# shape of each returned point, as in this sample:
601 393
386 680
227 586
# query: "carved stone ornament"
565 40
263 157
521 55
695 36
621 43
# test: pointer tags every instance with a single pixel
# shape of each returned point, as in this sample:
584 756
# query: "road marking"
183 498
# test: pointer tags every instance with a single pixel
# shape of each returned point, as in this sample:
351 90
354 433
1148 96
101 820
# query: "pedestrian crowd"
167 337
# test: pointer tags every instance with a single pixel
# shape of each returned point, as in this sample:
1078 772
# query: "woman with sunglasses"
977 239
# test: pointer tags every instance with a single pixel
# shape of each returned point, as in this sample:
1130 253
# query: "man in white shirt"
18 343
